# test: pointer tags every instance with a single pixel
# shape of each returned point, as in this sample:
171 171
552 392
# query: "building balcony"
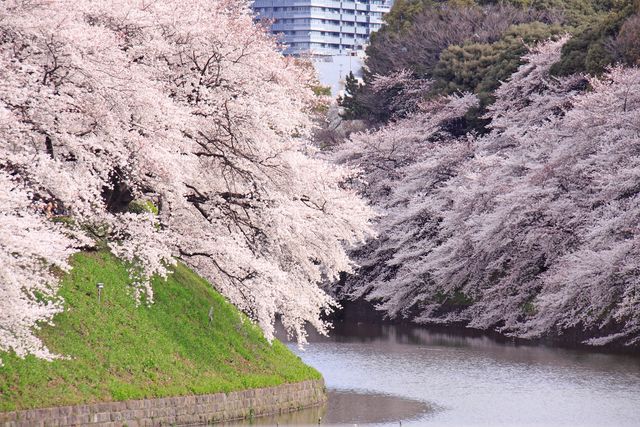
322 3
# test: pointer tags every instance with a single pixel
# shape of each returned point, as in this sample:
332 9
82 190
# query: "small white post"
100 285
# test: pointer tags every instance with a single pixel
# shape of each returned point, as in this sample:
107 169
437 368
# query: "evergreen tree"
352 108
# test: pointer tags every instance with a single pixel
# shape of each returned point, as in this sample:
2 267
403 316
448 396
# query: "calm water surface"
385 375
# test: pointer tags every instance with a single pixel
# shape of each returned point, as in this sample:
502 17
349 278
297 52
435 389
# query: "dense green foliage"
473 46
400 16
116 351
480 67
596 45
353 109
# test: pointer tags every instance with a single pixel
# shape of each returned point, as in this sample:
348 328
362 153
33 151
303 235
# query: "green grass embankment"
117 351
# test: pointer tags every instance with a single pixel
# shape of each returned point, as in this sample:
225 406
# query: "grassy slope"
117 351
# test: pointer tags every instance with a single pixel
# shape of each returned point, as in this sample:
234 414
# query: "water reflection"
351 407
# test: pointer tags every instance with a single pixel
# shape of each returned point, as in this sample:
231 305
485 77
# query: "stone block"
101 417
5 417
78 419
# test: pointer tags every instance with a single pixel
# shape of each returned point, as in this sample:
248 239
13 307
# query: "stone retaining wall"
183 410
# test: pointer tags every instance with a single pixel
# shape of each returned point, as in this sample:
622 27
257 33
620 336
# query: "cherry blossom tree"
530 230
391 161
175 131
29 246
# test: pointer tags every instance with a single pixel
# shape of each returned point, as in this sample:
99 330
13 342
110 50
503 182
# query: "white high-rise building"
322 27
332 32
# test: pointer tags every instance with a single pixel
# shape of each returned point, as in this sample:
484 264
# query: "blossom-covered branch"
178 130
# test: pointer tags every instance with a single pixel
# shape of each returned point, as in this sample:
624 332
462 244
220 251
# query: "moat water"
392 375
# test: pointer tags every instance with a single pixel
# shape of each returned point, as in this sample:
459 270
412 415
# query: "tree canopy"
474 46
163 130
530 229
